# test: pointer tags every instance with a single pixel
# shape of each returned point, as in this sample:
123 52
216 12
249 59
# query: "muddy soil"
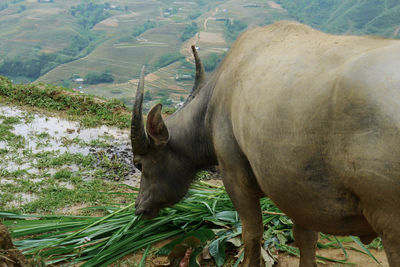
10 256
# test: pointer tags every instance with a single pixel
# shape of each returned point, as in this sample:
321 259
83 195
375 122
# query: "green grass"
86 187
88 110
14 140
36 177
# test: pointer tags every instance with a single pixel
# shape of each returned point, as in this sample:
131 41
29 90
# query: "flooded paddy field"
49 164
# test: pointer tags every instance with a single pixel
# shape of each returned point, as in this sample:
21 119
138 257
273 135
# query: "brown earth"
275 5
284 260
10 256
212 37
111 22
360 260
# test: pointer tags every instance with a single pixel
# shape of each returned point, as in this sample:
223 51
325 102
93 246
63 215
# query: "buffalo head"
166 171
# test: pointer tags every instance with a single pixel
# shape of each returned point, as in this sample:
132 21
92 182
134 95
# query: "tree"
189 31
234 28
212 61
147 96
95 77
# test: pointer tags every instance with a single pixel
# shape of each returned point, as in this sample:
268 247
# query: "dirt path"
210 17
205 22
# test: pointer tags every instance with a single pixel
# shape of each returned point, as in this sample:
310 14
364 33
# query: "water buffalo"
308 119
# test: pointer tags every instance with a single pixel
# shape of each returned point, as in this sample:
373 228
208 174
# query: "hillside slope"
375 17
59 41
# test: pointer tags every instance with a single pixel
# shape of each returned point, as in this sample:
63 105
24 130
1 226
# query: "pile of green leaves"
205 218
90 111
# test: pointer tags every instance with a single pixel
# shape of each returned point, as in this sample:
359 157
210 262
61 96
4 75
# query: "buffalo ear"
155 126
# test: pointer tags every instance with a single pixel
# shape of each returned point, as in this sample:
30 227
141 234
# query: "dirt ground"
212 37
275 5
284 259
360 260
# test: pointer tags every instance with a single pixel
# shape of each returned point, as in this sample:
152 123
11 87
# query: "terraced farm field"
45 28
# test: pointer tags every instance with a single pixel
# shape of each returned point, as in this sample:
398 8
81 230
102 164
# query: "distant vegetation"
233 29
189 31
95 77
211 61
142 28
147 96
380 17
90 14
39 63
194 15
167 59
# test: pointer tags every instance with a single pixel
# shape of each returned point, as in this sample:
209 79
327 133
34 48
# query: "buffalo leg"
392 248
385 220
306 240
245 195
380 202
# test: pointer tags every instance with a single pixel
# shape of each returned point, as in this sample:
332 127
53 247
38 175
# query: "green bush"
147 96
211 61
189 31
167 59
194 15
89 14
234 28
95 77
166 101
142 28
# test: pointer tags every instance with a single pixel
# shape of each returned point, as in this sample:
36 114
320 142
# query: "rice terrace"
199 133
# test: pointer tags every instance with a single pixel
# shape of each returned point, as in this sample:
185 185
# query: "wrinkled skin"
308 119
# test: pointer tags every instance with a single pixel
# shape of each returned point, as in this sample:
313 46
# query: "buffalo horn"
200 73
139 139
